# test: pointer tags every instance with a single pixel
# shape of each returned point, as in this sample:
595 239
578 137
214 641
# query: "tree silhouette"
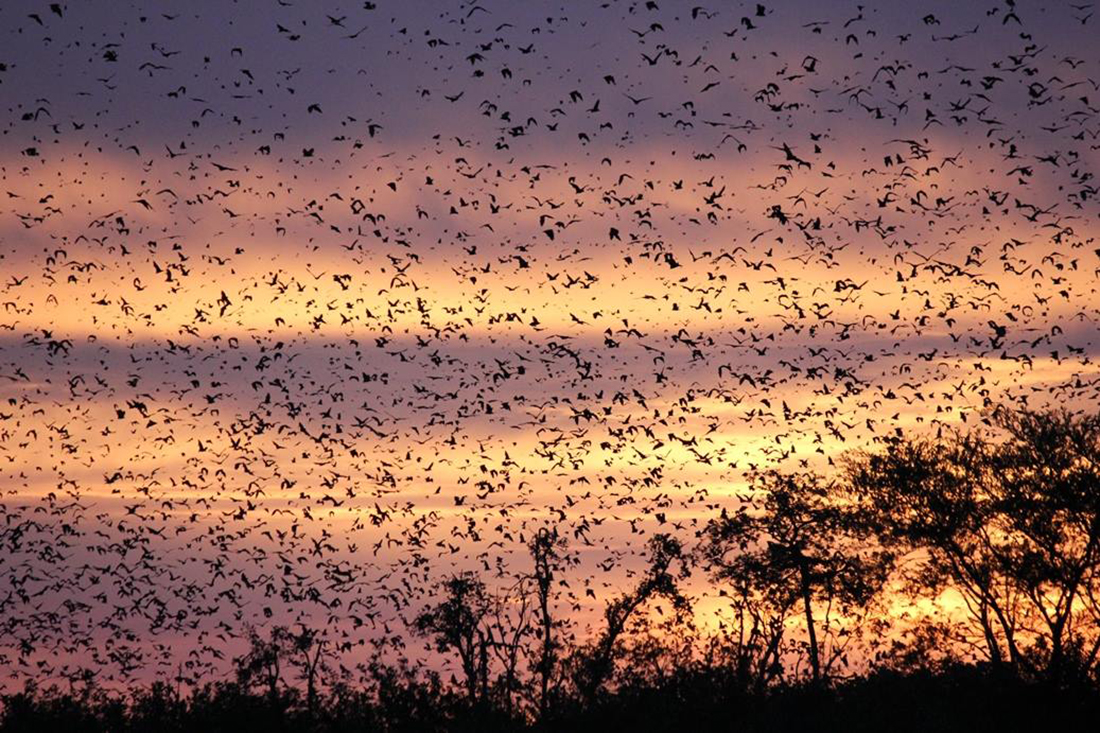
307 651
456 625
1009 518
595 661
788 546
507 626
262 665
546 550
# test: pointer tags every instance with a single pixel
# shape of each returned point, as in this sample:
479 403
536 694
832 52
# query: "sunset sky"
308 305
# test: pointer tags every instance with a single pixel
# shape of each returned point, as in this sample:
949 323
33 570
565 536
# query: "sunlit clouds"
296 327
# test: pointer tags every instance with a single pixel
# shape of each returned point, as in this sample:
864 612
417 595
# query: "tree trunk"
542 550
807 604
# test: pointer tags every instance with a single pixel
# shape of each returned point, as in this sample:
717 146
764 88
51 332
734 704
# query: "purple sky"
307 306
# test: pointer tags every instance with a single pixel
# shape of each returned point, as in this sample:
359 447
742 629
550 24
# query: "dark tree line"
932 580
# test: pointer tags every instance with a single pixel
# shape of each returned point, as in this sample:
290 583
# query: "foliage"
1011 526
792 549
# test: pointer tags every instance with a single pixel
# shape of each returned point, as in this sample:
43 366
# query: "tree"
546 548
507 627
308 655
791 545
456 624
597 660
262 664
1009 518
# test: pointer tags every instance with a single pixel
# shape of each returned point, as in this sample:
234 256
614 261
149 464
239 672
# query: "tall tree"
262 664
456 624
1009 518
790 546
597 660
308 655
546 550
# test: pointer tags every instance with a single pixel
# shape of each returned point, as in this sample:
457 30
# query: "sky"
308 306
